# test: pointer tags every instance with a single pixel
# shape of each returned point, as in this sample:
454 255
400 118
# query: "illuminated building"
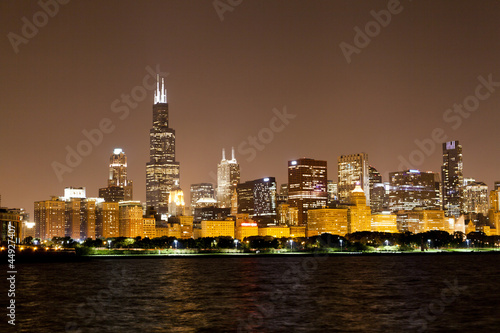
112 193
412 188
452 176
201 191
149 227
353 169
131 221
475 198
161 231
417 221
186 225
162 170
257 197
107 222
275 231
118 173
327 220
228 176
210 213
50 218
379 197
73 217
176 202
359 214
288 215
494 211
88 218
297 232
245 227
217 228
307 186
332 191
384 222
13 218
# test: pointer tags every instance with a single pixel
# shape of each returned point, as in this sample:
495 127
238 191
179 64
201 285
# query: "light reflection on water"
272 294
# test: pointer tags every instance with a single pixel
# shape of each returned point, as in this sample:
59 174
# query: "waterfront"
262 294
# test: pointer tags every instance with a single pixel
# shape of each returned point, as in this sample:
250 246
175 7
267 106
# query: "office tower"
282 196
162 170
118 173
228 176
494 211
10 226
359 213
287 215
201 191
112 193
375 179
497 186
50 218
353 169
176 203
475 198
379 199
332 192
88 218
73 217
130 219
107 222
257 198
307 186
384 222
452 177
412 188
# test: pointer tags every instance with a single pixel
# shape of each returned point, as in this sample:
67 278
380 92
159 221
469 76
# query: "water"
393 293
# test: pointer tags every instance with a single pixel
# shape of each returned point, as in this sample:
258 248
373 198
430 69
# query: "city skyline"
221 103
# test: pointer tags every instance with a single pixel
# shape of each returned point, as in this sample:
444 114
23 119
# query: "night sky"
225 78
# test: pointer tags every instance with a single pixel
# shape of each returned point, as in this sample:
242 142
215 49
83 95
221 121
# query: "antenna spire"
160 95
223 154
232 153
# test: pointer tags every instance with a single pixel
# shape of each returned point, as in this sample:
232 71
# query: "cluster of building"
309 204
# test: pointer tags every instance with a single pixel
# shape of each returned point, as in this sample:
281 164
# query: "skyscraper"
162 170
453 178
307 186
476 198
118 173
412 188
257 198
228 176
201 191
352 170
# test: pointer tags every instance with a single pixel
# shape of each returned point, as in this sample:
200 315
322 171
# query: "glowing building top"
160 95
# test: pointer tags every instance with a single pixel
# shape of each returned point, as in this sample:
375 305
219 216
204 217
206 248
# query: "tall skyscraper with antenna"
228 176
162 170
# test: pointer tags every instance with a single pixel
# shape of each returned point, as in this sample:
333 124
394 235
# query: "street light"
341 245
429 241
175 243
109 244
386 243
291 245
236 244
468 243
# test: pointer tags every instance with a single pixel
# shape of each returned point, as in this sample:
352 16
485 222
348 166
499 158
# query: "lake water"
343 293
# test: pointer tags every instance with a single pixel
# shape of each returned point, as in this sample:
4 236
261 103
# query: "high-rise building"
257 198
228 176
10 225
327 220
375 179
307 186
118 173
176 203
162 170
201 191
476 198
107 220
88 218
412 188
353 169
453 178
131 223
332 192
50 218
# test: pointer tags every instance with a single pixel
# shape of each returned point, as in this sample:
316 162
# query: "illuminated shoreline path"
162 170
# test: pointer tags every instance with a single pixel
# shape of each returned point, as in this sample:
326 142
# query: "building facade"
353 169
453 178
162 170
307 186
412 188
228 177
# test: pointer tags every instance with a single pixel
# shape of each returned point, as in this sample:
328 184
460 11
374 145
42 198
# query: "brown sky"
226 77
